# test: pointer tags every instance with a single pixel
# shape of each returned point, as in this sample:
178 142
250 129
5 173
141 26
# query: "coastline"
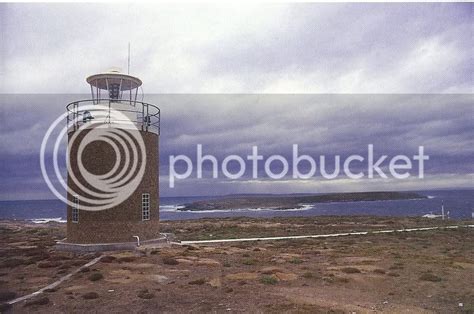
285 202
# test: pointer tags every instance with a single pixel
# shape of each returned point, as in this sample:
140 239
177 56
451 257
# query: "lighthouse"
112 182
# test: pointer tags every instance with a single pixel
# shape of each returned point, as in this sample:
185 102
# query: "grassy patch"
249 261
42 232
268 280
295 260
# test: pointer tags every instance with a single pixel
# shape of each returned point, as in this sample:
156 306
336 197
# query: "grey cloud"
335 48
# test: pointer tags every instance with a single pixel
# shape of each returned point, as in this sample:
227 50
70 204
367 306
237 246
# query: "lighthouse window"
114 91
75 209
145 206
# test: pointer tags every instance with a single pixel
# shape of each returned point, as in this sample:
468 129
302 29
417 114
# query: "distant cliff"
279 202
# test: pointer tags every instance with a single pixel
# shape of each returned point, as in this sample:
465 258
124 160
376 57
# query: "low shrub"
95 276
4 307
199 281
127 259
249 261
430 277
108 259
350 270
145 294
48 264
11 263
40 301
268 280
90 295
169 261
7 295
296 260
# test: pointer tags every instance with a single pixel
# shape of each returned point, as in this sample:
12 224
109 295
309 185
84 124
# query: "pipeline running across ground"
330 235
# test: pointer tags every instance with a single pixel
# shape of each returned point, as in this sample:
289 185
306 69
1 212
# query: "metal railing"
143 116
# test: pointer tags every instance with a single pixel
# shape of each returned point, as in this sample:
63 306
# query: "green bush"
296 260
268 280
249 261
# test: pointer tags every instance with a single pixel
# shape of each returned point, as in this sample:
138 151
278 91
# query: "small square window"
145 206
75 209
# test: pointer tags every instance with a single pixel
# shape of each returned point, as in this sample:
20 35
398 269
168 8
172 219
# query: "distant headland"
293 201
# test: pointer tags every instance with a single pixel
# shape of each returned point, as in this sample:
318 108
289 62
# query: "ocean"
459 203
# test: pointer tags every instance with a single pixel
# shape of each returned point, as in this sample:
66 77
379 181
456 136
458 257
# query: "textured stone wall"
121 223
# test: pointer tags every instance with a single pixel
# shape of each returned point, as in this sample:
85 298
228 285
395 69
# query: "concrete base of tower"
64 245
104 229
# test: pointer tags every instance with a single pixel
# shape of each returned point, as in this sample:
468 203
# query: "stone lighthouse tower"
112 184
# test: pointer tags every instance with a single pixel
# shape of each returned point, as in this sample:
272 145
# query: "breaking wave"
46 220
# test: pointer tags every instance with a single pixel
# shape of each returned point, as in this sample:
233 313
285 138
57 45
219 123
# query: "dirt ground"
418 272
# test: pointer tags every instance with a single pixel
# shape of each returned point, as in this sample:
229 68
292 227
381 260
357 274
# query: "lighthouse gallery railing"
144 116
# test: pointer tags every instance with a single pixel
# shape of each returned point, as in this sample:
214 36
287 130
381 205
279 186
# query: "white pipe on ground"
324 235
138 240
56 283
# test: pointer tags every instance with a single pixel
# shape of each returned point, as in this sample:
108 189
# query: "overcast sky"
264 49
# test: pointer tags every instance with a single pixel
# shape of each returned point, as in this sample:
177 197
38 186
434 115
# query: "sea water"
459 203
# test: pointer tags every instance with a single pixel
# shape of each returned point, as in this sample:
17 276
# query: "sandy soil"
419 272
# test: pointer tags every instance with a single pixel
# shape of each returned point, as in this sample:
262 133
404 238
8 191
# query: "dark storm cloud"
231 124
